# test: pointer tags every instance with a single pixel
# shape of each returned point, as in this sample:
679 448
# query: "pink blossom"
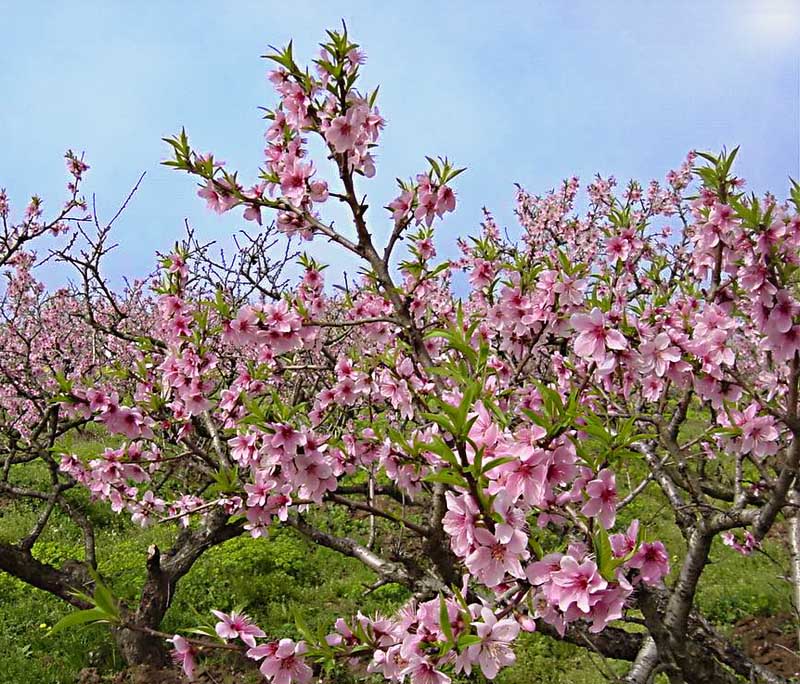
759 434
602 503
237 625
652 388
390 663
427 206
494 651
216 198
312 475
652 561
258 493
723 216
318 191
425 248
657 354
784 345
482 273
492 559
540 572
184 655
283 661
618 249
609 605
595 336
445 200
623 544
781 317
524 476
401 205
750 542
459 521
423 672
293 179
343 131
253 212
577 583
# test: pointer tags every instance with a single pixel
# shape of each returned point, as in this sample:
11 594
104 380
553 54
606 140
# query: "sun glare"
774 21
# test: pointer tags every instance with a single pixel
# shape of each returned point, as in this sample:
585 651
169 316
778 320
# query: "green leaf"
495 462
444 620
463 602
105 599
457 340
434 166
707 156
206 630
456 172
603 554
399 438
442 421
466 640
225 481
80 617
440 448
303 628
102 598
477 462
449 477
536 548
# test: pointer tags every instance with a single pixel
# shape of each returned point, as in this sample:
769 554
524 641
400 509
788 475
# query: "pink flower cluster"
404 647
274 328
118 419
425 202
353 133
282 661
113 477
571 587
746 547
283 462
512 400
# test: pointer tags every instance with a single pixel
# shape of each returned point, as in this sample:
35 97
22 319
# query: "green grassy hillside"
275 577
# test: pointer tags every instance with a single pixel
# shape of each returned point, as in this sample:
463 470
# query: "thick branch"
22 565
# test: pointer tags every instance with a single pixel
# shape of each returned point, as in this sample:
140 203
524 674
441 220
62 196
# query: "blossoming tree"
656 334
87 333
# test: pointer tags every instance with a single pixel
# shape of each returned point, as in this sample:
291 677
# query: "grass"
276 577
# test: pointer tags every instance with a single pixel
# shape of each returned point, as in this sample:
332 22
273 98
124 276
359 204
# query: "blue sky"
519 92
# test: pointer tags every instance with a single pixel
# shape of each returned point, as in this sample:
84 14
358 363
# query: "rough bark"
437 545
139 648
612 642
706 656
794 560
60 582
163 573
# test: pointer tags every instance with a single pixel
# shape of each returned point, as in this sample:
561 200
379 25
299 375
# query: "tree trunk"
139 648
794 560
